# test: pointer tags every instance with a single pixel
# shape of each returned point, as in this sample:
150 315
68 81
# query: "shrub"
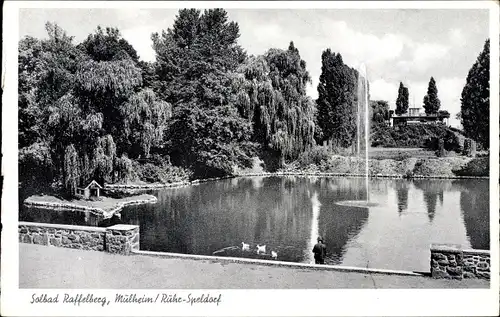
157 169
441 166
408 175
416 135
124 170
316 155
476 167
150 173
401 156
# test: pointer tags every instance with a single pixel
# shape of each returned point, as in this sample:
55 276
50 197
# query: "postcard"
250 158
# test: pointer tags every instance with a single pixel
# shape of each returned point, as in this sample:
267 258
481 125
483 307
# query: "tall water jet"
361 145
363 125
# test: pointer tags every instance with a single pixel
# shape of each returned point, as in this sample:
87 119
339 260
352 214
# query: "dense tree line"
93 110
83 108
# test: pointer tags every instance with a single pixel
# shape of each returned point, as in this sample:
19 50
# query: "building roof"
93 183
407 116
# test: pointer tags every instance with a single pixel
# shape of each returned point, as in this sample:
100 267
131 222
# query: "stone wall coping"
476 251
60 226
446 247
122 227
275 263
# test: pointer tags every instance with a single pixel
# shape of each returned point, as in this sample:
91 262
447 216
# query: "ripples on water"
288 213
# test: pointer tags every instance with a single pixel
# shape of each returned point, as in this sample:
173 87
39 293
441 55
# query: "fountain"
362 146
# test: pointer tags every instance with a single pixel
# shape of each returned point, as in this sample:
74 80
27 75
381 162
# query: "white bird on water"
261 248
245 246
274 255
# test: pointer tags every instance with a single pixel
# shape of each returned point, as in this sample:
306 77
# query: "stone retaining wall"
476 264
120 239
451 261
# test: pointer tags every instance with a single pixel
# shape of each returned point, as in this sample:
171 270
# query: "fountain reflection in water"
316 205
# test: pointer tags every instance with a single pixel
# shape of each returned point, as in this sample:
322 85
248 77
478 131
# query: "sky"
396 45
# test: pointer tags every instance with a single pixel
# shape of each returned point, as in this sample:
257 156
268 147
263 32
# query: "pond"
288 213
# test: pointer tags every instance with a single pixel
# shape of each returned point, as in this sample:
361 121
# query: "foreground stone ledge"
451 261
321 267
448 261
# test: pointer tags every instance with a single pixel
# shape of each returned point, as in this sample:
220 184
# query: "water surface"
287 214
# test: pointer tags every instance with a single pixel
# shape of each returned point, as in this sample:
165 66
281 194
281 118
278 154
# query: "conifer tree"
475 109
402 102
336 100
431 100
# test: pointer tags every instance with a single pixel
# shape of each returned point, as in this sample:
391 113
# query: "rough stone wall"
446 263
476 264
121 239
75 237
452 262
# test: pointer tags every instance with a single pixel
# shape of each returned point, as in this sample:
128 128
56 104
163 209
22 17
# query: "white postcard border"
240 302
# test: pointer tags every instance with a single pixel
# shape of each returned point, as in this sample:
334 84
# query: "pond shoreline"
95 207
131 190
118 187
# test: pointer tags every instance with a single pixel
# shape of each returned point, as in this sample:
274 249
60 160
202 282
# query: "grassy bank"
407 167
104 206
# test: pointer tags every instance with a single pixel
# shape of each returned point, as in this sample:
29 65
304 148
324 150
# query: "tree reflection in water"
433 190
402 187
473 203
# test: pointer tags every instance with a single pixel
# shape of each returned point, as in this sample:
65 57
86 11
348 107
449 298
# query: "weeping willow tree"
104 86
71 170
272 95
124 170
87 104
145 119
104 157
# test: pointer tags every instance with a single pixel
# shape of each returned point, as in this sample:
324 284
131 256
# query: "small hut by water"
93 190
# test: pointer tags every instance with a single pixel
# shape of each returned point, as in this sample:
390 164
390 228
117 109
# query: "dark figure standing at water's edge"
319 251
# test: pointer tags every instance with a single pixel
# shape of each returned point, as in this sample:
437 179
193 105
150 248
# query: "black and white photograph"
161 158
